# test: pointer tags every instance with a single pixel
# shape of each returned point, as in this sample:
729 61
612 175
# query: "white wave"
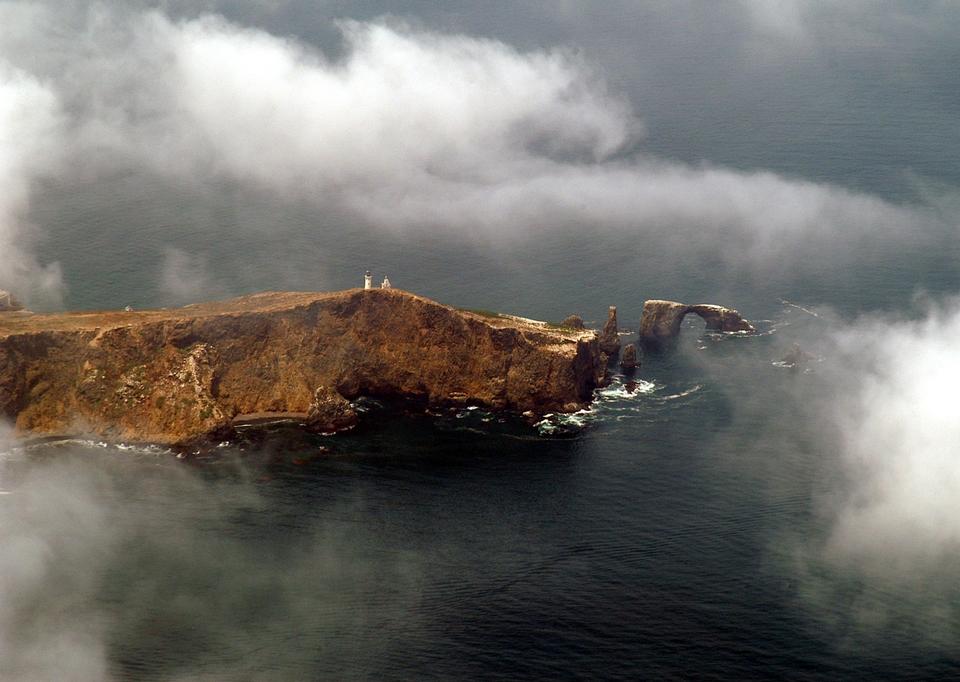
552 424
134 448
683 394
627 391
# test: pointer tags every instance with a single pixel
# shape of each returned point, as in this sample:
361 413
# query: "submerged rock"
796 358
609 338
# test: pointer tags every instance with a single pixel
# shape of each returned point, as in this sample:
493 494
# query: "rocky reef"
174 376
660 322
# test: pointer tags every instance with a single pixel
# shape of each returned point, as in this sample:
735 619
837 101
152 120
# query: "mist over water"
733 518
703 508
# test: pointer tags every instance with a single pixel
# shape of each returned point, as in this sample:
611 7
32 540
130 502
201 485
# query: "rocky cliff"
171 376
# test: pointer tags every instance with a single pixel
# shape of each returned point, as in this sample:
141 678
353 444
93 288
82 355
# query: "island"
176 376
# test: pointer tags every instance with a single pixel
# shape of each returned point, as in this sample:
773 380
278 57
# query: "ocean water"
677 530
676 534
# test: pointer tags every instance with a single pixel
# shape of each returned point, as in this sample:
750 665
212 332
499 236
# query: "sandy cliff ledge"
171 376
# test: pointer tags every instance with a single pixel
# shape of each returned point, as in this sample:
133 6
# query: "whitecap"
629 391
570 423
683 394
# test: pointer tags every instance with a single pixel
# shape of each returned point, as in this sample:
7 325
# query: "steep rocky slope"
171 376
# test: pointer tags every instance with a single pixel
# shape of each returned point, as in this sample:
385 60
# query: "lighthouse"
368 280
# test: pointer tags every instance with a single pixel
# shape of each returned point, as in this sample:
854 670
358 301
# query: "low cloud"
185 278
900 444
107 559
30 147
870 437
54 538
413 130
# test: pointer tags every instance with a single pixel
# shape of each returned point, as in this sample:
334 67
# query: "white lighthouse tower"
368 280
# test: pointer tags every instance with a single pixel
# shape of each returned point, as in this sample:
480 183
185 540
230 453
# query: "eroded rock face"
722 319
330 411
172 376
609 338
661 320
628 359
8 303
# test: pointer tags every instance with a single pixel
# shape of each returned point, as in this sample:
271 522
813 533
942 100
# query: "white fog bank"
901 444
407 129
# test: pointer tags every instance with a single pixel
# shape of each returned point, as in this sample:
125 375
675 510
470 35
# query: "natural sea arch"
661 320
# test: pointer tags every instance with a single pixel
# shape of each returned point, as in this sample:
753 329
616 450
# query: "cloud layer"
900 444
30 145
407 129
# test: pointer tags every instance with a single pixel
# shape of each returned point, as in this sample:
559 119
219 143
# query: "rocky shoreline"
183 375
193 375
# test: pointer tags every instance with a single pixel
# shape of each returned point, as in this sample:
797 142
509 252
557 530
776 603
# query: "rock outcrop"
172 376
628 359
330 411
609 336
660 322
721 319
8 303
573 322
796 358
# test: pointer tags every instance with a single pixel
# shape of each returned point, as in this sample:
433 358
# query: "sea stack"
609 339
628 359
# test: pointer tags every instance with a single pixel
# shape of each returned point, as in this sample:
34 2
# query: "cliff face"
171 376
